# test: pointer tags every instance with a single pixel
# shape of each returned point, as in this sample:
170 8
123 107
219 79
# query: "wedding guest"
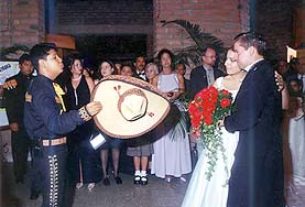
296 134
82 158
140 148
14 92
171 156
204 75
181 69
139 64
127 70
151 71
106 68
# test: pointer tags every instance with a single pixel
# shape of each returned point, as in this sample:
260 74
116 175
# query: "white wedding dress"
212 193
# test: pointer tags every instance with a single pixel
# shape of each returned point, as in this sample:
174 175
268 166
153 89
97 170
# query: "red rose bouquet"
208 107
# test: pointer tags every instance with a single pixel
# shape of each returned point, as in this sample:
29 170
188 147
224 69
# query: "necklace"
77 78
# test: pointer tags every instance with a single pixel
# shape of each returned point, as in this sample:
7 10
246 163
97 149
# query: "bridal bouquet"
208 107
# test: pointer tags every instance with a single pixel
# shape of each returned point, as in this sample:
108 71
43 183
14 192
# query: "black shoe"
106 181
137 180
118 180
144 180
34 195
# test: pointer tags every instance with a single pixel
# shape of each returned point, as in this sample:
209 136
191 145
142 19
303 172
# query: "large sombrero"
131 107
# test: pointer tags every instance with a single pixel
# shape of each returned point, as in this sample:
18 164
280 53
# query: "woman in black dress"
83 159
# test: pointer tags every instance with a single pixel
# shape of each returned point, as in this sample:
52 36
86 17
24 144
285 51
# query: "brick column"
21 22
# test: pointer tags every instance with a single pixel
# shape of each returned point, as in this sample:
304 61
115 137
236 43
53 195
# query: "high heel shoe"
91 186
106 181
118 180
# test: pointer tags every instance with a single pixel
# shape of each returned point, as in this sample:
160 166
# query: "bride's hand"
220 123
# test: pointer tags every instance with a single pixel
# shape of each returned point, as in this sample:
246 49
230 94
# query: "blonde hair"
154 66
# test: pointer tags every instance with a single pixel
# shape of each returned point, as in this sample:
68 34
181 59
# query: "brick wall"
21 22
299 24
104 17
274 19
224 19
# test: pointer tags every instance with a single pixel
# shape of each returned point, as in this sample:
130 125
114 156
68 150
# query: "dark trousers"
49 169
20 148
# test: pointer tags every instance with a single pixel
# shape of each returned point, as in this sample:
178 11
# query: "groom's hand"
279 81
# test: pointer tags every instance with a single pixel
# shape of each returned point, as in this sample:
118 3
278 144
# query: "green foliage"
213 145
192 54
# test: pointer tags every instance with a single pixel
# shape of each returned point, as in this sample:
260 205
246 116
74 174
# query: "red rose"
208 120
224 103
225 92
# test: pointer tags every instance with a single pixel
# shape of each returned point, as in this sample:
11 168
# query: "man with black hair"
139 65
47 123
14 91
257 174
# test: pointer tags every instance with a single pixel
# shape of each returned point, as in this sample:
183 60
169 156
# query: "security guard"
14 91
47 122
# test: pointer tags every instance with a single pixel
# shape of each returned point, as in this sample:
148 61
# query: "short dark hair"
138 56
183 65
128 65
248 39
206 48
71 59
40 51
24 57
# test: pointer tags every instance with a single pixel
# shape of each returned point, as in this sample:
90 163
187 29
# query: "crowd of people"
58 130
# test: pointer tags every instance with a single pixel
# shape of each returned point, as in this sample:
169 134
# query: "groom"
257 175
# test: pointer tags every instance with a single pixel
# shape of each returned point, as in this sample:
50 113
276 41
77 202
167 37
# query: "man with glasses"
204 75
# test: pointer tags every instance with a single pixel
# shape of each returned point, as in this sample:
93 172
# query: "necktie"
210 76
142 75
59 93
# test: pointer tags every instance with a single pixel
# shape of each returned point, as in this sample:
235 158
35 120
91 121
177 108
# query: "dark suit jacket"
198 79
14 98
257 171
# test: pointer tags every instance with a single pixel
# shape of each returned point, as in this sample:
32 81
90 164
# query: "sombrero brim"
110 120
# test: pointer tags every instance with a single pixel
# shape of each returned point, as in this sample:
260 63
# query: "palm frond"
14 52
202 39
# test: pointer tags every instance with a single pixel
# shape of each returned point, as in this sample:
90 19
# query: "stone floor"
295 194
156 194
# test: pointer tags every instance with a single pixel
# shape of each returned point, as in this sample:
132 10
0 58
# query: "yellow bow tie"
59 92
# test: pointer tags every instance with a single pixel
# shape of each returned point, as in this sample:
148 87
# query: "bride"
201 192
